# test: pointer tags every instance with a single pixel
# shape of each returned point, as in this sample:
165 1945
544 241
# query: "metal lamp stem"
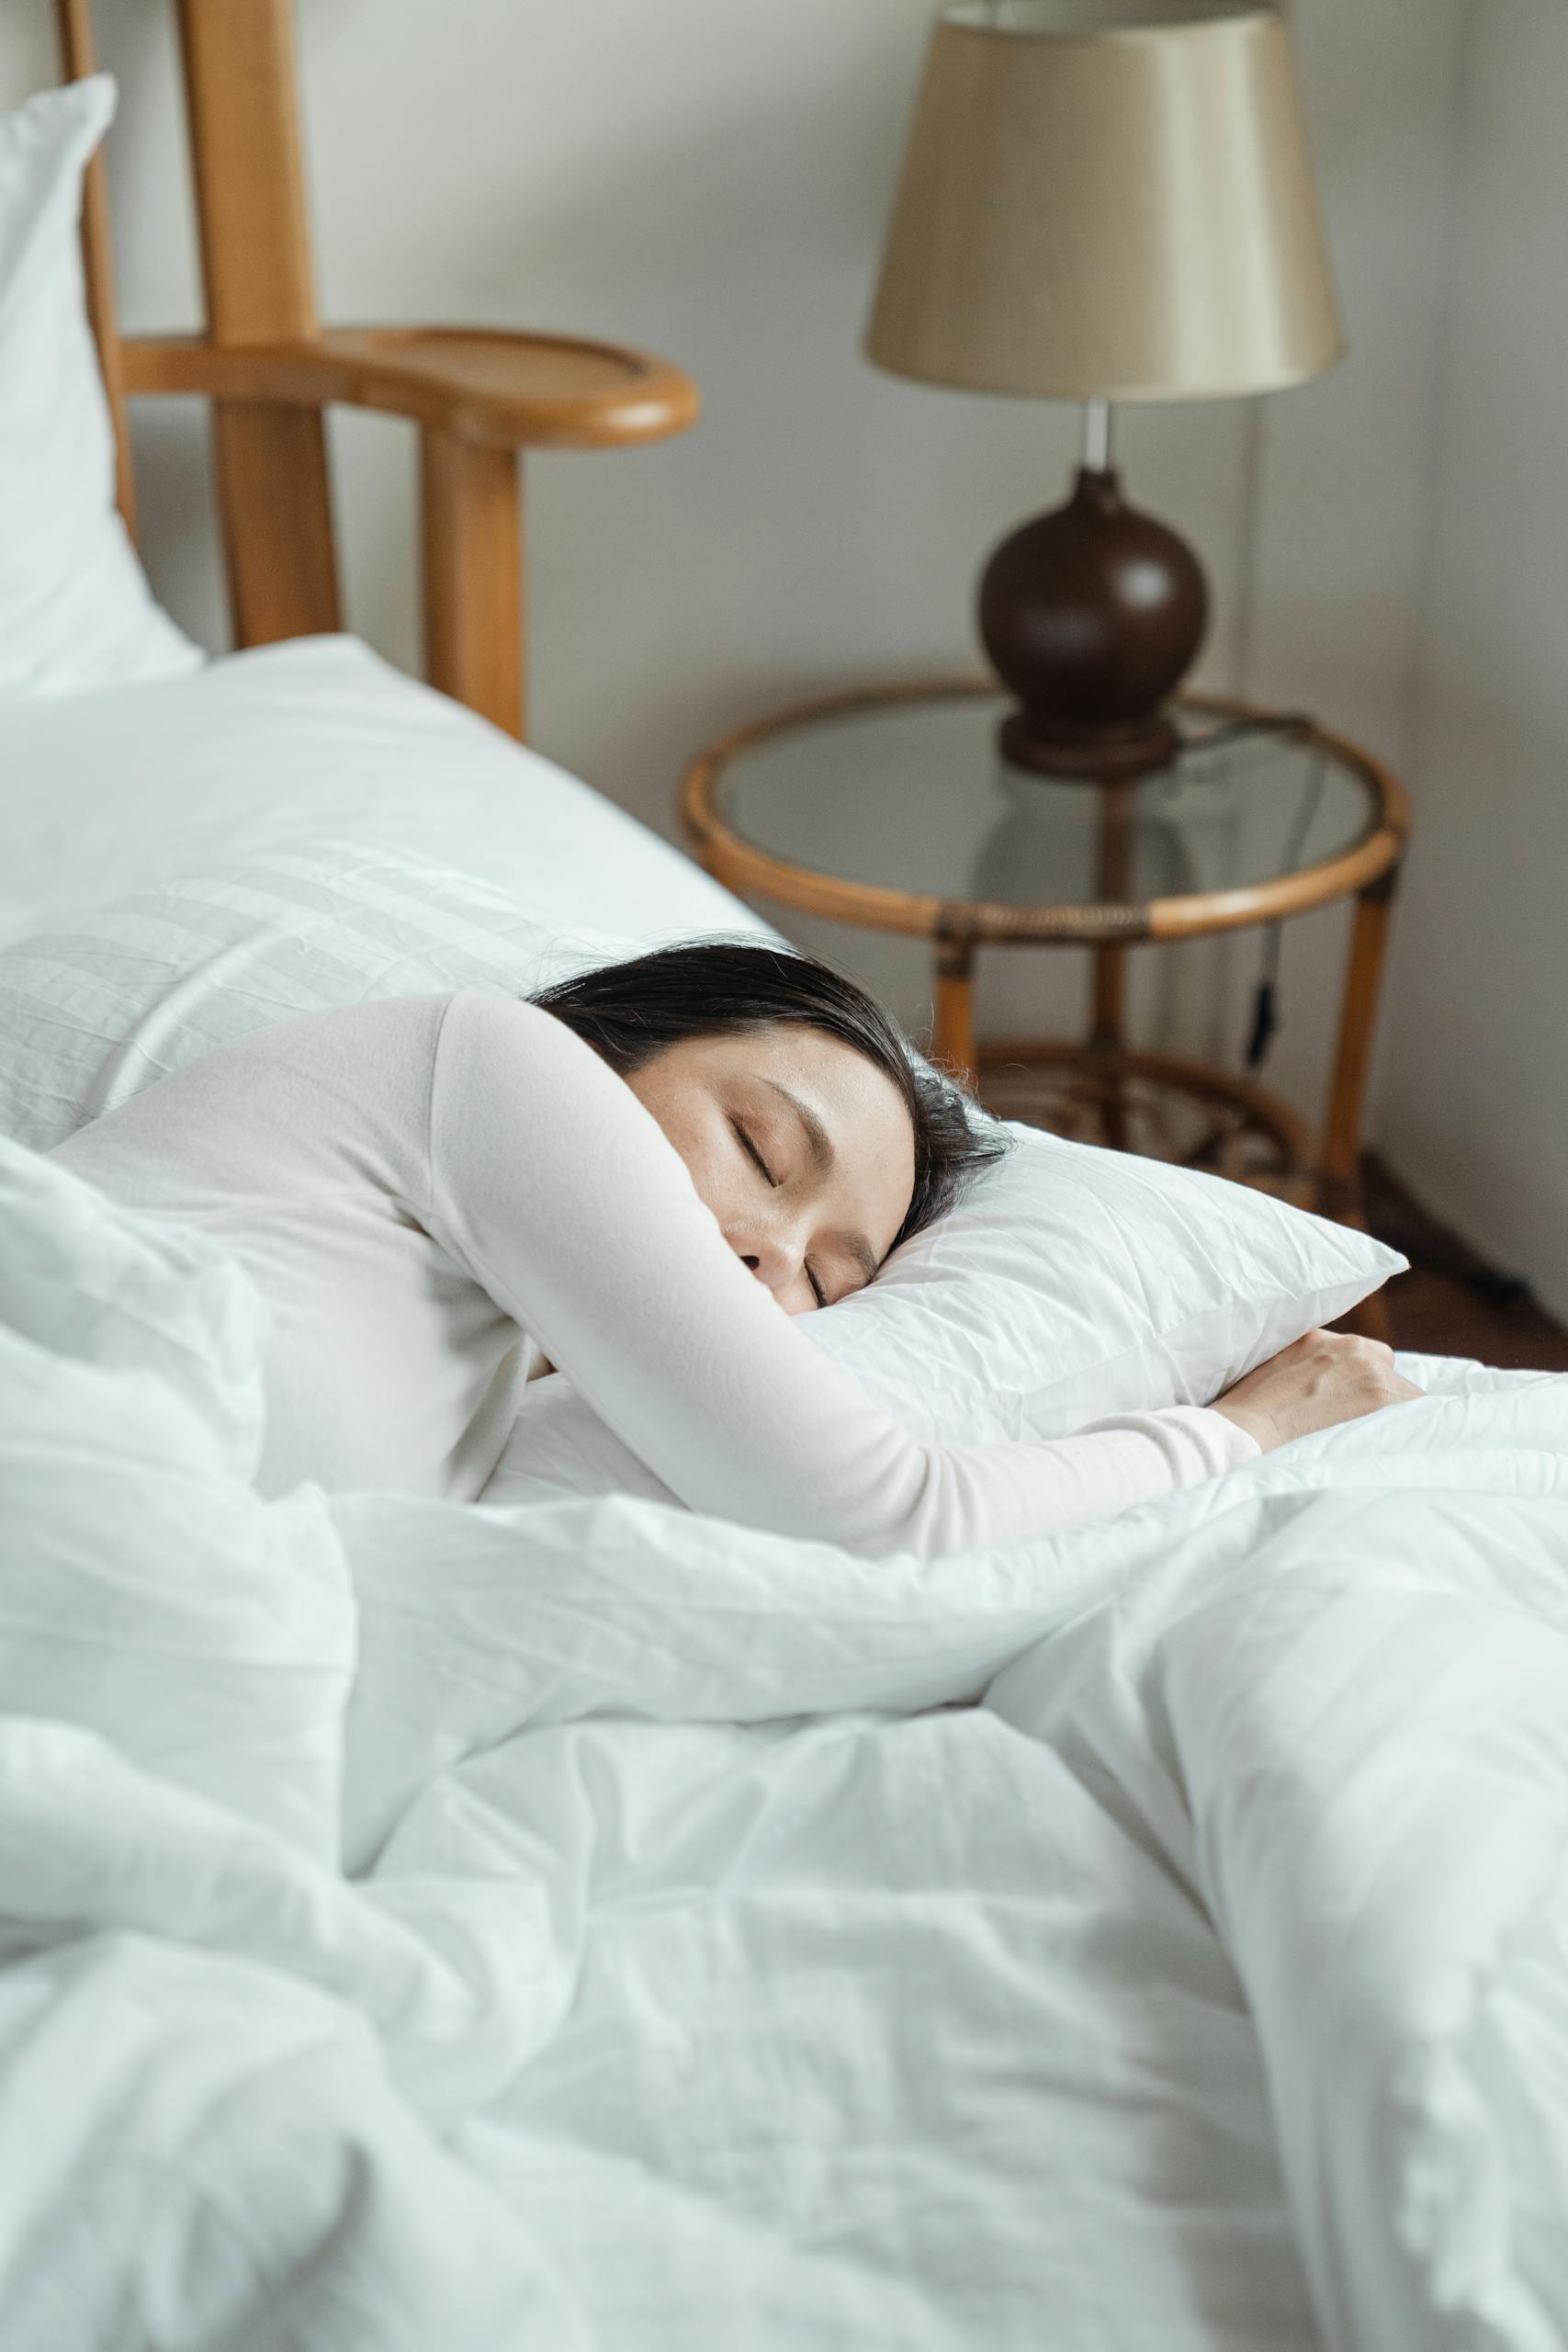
1097 438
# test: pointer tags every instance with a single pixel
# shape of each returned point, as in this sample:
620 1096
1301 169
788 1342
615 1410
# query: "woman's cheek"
715 1187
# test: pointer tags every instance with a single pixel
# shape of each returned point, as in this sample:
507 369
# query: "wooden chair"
478 396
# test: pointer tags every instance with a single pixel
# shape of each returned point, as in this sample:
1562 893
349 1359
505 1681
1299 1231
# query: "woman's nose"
770 1257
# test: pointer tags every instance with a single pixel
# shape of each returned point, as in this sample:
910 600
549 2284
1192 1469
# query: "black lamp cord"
1266 1015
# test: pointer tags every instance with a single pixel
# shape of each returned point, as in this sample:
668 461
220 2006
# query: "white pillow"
1075 1282
1069 1284
1072 1281
74 608
105 793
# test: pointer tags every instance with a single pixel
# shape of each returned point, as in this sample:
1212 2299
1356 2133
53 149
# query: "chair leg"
471 516
276 511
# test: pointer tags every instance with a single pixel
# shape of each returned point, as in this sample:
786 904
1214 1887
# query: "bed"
566 1921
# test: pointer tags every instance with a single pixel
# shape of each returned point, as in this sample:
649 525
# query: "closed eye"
818 1293
753 1155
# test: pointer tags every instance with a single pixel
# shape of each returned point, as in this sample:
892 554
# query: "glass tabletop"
913 795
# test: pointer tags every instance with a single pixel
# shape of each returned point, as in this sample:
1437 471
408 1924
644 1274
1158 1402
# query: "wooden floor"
1453 1303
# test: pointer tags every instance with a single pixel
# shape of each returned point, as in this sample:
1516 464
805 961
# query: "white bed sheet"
1150 1938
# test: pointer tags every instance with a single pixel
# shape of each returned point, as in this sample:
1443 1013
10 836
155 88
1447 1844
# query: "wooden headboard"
478 396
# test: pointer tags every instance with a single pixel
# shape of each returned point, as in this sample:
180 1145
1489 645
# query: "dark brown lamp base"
1100 754
1092 613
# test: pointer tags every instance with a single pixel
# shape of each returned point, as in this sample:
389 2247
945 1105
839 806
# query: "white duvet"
1150 1938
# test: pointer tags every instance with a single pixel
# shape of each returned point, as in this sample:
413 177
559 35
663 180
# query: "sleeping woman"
640 1177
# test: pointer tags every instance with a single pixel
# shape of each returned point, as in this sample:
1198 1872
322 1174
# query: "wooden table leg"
1107 1028
1113 881
1339 1188
953 1042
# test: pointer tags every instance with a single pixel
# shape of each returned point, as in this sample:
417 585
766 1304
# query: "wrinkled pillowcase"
75 610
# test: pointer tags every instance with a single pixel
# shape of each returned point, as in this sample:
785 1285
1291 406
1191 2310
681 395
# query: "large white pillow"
1075 1282
1072 1283
74 608
105 793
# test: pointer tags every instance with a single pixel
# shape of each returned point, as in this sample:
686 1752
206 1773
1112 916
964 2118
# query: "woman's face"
801 1148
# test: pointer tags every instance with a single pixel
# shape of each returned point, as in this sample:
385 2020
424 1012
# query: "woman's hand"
1324 1378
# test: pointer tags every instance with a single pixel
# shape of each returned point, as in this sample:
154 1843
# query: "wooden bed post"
271 459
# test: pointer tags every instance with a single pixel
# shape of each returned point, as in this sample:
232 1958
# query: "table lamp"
1103 203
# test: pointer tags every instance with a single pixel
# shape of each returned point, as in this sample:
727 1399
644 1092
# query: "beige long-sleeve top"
438 1194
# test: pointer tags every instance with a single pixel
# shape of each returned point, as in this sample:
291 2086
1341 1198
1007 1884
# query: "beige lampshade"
1107 201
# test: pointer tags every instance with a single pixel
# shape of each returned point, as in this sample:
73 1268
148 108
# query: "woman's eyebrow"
817 1135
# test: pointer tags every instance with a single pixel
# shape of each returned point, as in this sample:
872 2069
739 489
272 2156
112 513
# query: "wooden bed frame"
478 396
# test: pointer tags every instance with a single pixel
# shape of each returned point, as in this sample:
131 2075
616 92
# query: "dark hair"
630 1011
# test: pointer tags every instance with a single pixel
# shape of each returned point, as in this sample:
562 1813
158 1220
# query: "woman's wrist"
1254 1420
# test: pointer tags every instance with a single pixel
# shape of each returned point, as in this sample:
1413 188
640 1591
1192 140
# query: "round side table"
892 808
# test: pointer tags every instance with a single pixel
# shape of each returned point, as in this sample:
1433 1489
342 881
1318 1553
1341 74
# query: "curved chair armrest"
490 386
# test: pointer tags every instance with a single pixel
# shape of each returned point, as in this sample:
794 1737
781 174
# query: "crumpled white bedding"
1149 1938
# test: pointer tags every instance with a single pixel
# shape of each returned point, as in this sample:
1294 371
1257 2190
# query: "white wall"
712 181
1345 467
1474 1104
